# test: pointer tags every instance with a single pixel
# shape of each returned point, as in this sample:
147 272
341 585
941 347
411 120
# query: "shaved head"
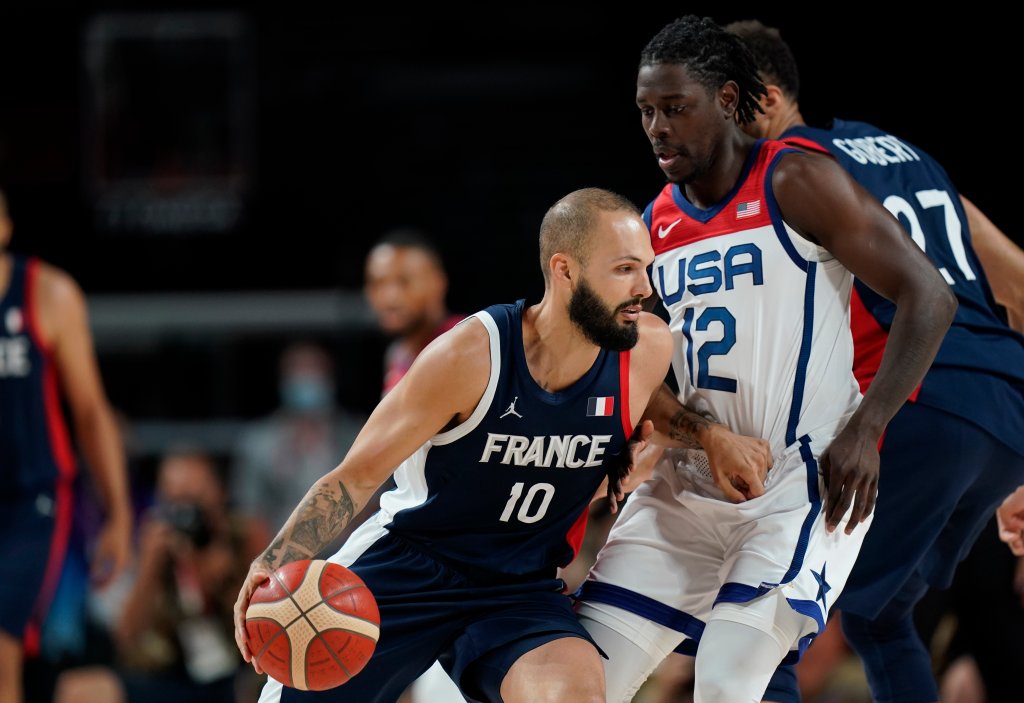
569 223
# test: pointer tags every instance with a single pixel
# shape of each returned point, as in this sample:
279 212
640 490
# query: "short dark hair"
712 56
568 224
412 238
775 60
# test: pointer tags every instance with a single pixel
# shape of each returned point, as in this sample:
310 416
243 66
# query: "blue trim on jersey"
805 356
649 214
641 605
703 216
687 323
810 609
815 500
776 213
733 592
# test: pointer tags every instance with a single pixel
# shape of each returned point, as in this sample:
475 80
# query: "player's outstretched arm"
824 204
442 388
64 323
1002 260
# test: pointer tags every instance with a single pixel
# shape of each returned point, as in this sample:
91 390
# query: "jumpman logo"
511 409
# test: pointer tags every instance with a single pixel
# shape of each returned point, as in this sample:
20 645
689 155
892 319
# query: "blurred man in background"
46 359
406 286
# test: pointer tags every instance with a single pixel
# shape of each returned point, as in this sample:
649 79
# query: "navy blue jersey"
34 445
507 492
978 372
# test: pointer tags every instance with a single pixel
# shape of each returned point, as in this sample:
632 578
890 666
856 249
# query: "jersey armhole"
460 431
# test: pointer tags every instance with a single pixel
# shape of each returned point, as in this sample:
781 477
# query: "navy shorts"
941 480
431 611
27 529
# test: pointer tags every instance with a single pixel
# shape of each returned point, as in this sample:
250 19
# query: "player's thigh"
510 626
565 669
634 646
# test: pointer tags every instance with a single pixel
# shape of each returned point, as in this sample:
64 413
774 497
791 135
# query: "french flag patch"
600 406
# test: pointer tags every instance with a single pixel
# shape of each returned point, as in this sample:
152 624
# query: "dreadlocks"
712 56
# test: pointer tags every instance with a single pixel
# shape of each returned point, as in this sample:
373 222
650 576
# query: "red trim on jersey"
64 499
574 537
31 321
808 144
627 424
57 429
869 340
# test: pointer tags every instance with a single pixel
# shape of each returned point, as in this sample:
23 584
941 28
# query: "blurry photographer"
175 631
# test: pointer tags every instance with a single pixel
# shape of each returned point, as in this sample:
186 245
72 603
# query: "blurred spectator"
175 633
406 286
279 457
47 362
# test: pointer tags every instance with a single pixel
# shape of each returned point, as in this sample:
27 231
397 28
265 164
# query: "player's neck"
711 187
787 117
557 353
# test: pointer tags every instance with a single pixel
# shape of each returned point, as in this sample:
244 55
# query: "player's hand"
1010 517
632 466
259 571
112 552
850 470
739 464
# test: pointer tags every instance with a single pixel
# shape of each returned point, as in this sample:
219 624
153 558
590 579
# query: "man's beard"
598 324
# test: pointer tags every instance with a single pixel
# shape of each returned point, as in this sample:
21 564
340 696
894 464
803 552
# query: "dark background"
468 125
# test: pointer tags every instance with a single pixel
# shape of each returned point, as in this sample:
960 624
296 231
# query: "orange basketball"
313 625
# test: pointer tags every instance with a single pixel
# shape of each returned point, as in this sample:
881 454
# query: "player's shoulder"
55 287
655 337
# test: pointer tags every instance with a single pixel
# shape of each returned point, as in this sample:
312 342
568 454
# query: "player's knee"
721 689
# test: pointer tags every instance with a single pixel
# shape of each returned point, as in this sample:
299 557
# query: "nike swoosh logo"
663 231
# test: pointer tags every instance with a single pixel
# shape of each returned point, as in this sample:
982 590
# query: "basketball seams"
307 623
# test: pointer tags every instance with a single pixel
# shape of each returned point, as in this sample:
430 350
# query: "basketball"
313 625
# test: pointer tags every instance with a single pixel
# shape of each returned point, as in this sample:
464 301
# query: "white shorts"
679 548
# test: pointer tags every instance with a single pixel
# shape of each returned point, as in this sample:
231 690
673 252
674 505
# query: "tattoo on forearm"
685 424
323 514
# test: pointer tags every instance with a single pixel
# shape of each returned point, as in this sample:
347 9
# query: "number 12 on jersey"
709 347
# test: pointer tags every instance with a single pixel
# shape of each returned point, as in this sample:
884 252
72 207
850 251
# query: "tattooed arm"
443 386
739 464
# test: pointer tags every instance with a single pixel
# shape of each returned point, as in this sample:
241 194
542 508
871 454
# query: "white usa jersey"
760 315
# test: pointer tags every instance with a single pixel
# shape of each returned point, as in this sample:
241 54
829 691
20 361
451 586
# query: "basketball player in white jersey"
754 247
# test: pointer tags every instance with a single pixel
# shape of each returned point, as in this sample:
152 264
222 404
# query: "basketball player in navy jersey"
955 449
501 432
46 357
755 247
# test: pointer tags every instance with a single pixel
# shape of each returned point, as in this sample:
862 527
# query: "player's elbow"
945 304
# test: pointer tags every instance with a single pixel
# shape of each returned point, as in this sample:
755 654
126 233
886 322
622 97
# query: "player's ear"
729 98
772 102
559 266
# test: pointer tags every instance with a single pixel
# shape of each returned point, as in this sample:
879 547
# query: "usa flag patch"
600 406
748 209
